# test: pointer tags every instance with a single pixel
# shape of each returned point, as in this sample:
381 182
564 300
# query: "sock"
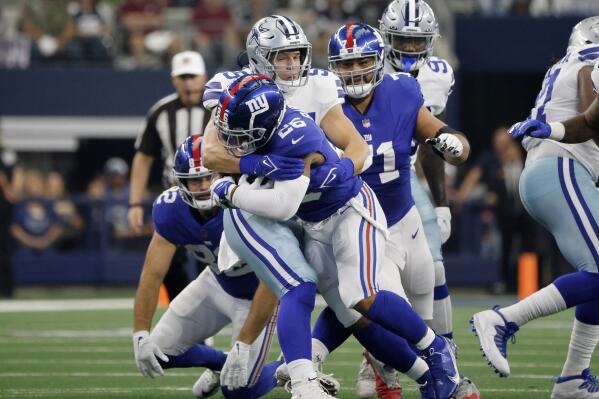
578 287
583 340
327 335
442 314
293 328
387 347
266 383
197 356
542 303
395 314
418 371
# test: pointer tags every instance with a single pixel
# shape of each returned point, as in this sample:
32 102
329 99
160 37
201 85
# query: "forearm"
214 154
583 127
280 202
146 300
140 173
261 311
433 169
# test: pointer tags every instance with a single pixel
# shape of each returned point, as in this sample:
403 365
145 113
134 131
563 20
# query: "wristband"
136 205
558 131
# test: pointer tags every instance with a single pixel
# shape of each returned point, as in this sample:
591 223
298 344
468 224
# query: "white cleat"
207 385
466 390
310 389
327 381
493 332
365 383
583 386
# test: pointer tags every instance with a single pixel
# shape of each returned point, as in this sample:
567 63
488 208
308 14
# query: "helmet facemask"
408 51
358 83
198 199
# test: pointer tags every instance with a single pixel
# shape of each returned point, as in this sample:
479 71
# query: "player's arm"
433 169
448 143
217 158
280 202
343 134
234 373
140 173
158 258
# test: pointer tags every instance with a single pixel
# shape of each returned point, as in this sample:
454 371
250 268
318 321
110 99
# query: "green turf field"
82 354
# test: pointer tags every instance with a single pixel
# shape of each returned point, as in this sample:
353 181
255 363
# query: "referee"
170 121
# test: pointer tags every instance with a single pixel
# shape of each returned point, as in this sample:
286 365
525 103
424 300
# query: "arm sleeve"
280 202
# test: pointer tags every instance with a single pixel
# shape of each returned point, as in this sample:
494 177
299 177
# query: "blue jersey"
180 224
388 126
297 136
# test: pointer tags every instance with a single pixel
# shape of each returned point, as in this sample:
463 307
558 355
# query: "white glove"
47 45
234 373
447 143
444 222
146 353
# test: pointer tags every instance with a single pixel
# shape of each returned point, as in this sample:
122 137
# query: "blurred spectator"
499 172
6 212
64 208
559 8
35 224
141 22
51 29
215 36
246 13
93 32
494 7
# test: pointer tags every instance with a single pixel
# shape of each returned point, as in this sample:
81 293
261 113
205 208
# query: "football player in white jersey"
278 48
409 29
557 188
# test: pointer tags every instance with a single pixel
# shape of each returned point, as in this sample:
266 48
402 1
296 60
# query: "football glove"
444 222
530 127
324 176
146 354
234 373
447 144
222 191
272 166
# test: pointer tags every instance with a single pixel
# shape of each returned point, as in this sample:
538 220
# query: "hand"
234 373
324 176
530 127
444 222
135 216
273 166
256 184
222 191
146 353
447 143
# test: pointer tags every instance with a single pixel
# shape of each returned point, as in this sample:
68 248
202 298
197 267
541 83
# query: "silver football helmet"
585 32
409 29
272 35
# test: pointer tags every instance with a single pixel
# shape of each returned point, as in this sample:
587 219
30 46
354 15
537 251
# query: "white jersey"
558 101
322 91
595 78
436 81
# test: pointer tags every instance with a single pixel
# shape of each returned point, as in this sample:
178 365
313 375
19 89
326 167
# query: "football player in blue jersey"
185 215
278 48
344 231
356 54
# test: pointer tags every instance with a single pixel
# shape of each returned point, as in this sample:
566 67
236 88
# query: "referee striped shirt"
168 124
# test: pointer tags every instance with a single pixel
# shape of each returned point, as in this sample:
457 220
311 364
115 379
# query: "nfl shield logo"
366 123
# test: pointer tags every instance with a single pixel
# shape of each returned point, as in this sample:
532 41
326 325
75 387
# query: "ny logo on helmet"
257 105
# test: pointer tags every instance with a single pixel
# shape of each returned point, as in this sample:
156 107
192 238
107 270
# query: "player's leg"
191 318
442 321
273 252
559 193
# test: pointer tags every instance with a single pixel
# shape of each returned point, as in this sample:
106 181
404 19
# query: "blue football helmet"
188 165
248 113
356 55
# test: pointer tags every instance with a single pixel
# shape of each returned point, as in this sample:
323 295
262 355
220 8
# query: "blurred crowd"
146 33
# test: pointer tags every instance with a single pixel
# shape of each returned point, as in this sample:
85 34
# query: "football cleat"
443 368
366 382
327 381
493 332
583 386
387 379
427 389
466 390
207 385
311 389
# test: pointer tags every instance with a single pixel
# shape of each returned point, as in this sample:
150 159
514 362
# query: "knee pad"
439 273
422 304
